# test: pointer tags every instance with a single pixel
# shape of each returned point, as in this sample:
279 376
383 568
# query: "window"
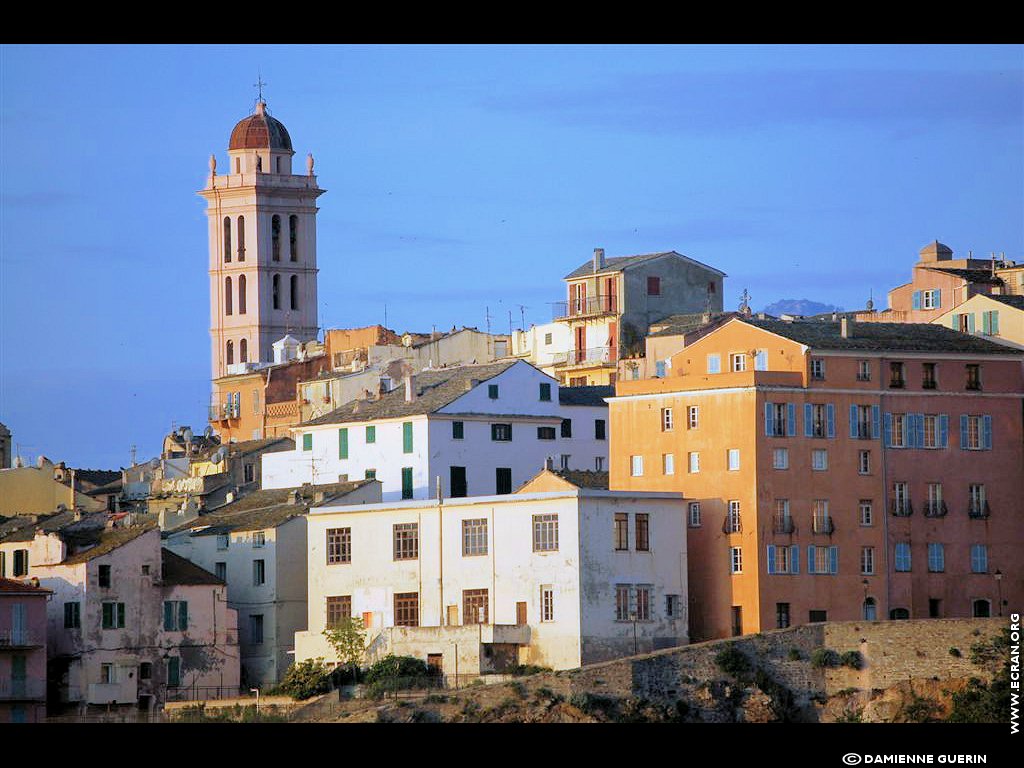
979 558
104 575
406 541
227 240
293 236
864 462
458 430
113 615
545 533
981 609
547 603
621 531
733 455
866 508
457 482
779 419
175 616
249 471
693 462
928 380
737 620
819 459
545 433
823 560
407 437
501 433
259 539
714 363
227 295
492 391
671 606
622 600
930 432
780 458
503 480
732 518
816 616
761 360
936 558
819 420
668 463
72 615
897 379
990 323
474 606
783 560
863 370
901 499
545 391
821 521
781 615
782 522
275 238
220 570
643 602
407 609
599 463
339 608
695 514
259 572
736 559
977 507
643 541
975 433
146 670
343 443
241 307
406 482
339 545
666 419
223 540
864 422
276 291
566 427
653 286
241 238
307 441
231 352
902 557
737 362
867 560
636 466
600 429
817 368
692 416
935 506
869 610
547 339
474 537
371 435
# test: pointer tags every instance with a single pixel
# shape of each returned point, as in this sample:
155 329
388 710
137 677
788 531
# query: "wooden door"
453 615
521 613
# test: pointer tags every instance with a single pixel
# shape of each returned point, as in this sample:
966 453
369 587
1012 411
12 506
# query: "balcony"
112 693
897 384
12 689
511 634
732 525
928 384
978 510
863 431
588 306
902 508
19 638
783 525
823 526
581 357
223 411
934 509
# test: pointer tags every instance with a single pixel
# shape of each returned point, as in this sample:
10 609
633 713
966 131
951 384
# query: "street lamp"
632 617
257 692
999 588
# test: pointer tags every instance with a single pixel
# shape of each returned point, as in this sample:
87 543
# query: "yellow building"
35 490
998 318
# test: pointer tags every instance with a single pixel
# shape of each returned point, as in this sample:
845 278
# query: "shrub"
955 652
920 709
519 689
306 679
852 659
436 698
824 657
391 667
527 669
795 655
732 661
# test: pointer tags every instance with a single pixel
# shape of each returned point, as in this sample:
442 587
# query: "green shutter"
174 672
406 482
183 615
371 435
307 441
168 616
343 443
407 437
120 615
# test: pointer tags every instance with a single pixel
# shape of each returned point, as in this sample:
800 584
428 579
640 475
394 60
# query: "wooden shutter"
888 430
833 560
771 558
986 432
810 559
963 432
874 421
183 615
915 300
120 615
943 430
794 559
853 421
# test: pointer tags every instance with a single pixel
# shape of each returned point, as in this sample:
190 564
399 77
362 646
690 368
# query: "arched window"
227 238
277 291
238 165
241 295
243 351
293 236
275 237
227 295
241 238
231 353
899 613
870 610
295 291
277 165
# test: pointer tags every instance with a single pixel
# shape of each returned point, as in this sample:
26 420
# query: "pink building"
22 651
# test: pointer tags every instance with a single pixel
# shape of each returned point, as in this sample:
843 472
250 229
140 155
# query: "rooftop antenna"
258 85
522 317
385 315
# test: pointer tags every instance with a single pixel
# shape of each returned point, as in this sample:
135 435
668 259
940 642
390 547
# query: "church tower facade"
262 234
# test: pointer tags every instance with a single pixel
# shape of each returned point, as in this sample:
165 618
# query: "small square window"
545 392
458 430
780 458
636 466
819 459
104 575
492 391
734 459
653 286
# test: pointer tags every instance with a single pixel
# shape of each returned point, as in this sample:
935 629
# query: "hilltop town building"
22 651
997 317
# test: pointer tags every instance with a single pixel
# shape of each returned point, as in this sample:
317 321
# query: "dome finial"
258 85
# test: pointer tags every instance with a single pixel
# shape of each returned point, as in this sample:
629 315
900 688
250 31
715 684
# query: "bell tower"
262 234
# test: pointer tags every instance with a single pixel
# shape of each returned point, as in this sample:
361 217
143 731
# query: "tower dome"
260 131
935 251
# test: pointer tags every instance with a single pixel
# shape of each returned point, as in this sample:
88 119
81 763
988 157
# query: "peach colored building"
22 651
838 471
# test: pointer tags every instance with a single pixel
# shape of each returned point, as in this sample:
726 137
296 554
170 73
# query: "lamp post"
257 692
632 618
999 589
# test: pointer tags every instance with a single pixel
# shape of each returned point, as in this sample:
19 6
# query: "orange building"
838 471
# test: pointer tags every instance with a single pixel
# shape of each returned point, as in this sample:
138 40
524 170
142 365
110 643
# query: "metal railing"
783 524
585 356
902 508
202 692
823 525
587 305
934 509
732 524
220 411
978 510
12 689
19 638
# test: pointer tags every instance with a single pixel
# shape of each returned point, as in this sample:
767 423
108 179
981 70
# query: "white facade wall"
532 345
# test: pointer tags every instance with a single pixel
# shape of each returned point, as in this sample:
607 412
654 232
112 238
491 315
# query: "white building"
478 429
556 575
257 546
544 346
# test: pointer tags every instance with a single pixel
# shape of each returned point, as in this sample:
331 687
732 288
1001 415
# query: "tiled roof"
176 570
112 487
678 325
436 389
584 478
24 527
260 131
970 275
897 337
1017 302
253 446
97 476
13 586
106 542
619 263
590 395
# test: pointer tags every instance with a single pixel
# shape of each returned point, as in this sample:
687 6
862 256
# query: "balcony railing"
863 430
783 525
934 509
823 525
19 638
928 384
732 525
22 689
201 692
584 307
221 411
897 384
902 508
978 510
592 356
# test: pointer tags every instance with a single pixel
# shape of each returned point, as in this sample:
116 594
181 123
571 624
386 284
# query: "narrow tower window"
243 351
241 238
293 236
295 291
275 237
241 294
277 291
227 239
227 295
231 353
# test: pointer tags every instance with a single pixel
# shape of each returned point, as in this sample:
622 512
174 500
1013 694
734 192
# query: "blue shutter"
915 300
830 418
791 419
769 419
954 321
943 430
986 323
833 560
919 440
183 616
986 432
888 430
963 432
771 558
853 421
874 422
761 360
794 559
970 322
937 298
810 559
808 420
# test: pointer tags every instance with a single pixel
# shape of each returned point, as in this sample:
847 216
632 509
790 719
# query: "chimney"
410 392
846 328
293 496
549 463
598 259
472 383
318 497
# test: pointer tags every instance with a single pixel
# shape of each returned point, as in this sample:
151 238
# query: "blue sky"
463 178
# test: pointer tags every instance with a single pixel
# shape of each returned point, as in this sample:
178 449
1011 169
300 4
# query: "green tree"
348 640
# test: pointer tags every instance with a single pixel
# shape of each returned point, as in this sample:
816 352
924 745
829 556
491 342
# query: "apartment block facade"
22 651
838 471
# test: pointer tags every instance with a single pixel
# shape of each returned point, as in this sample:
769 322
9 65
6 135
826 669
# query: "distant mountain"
799 307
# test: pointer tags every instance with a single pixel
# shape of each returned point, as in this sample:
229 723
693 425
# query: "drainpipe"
885 491
440 553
